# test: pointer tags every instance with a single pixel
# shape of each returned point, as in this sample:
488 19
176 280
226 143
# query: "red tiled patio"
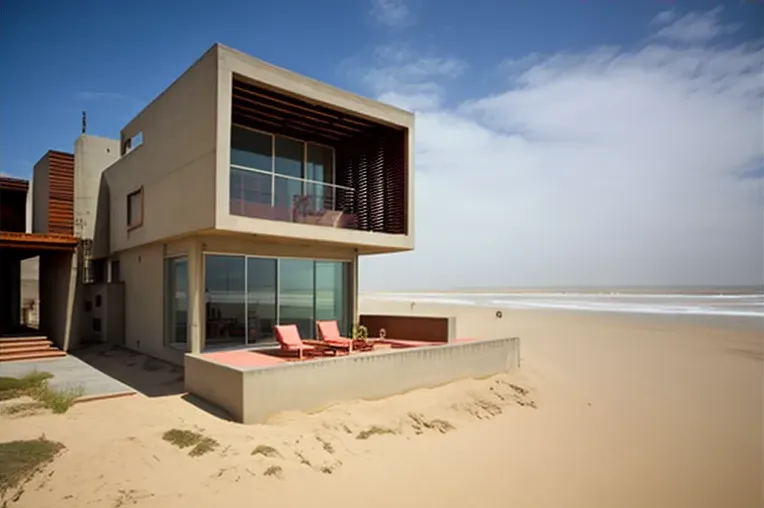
267 357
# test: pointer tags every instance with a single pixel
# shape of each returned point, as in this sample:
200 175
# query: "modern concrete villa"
241 198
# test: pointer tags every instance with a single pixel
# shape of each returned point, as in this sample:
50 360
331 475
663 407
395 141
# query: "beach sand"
618 412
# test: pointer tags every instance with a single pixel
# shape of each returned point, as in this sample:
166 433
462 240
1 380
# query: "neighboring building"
54 248
240 198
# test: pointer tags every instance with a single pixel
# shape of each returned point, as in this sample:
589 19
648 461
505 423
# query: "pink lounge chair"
289 340
329 332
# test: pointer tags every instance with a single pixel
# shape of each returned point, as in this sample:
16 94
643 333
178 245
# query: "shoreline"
740 320
622 290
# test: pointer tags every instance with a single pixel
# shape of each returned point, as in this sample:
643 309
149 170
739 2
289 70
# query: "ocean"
733 304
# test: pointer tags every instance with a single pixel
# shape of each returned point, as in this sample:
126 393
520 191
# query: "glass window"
320 163
296 293
251 149
261 299
289 157
331 293
224 299
135 209
176 299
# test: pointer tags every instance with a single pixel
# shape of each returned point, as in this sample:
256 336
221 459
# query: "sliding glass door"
261 299
296 294
176 300
246 296
224 300
332 297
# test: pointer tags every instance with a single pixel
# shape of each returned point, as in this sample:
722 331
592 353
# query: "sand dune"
618 412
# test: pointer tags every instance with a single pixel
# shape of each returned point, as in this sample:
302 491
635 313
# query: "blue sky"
110 59
595 141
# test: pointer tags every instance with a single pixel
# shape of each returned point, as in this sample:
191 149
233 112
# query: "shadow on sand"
146 375
207 407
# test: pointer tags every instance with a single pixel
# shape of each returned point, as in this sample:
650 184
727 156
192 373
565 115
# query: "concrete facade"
92 155
185 157
249 394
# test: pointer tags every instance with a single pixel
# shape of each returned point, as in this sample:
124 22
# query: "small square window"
98 301
135 209
96 325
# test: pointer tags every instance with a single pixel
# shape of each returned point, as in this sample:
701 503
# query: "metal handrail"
295 178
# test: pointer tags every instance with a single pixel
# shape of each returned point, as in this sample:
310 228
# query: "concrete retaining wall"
216 383
252 395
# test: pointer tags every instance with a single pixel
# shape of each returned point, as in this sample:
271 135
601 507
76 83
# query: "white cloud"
665 17
408 79
607 167
392 13
693 27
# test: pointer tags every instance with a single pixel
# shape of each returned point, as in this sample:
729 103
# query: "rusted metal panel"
61 193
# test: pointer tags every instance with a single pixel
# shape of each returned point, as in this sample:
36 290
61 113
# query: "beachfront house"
240 198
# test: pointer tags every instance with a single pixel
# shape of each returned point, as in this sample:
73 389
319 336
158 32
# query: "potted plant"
360 332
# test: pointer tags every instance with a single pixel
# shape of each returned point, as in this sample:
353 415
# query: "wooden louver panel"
61 193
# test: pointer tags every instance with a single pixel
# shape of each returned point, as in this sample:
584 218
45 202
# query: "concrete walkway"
70 372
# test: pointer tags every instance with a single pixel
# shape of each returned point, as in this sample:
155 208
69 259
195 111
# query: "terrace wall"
423 328
252 395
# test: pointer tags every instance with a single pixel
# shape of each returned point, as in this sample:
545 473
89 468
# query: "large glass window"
176 300
261 299
251 149
246 296
331 293
285 179
224 299
296 290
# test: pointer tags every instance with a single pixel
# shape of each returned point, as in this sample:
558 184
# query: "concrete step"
36 355
25 349
44 344
21 338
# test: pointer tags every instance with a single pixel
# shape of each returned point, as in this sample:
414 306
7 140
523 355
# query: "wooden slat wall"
61 197
395 177
376 168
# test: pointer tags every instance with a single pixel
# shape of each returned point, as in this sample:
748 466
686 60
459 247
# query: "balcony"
300 161
262 195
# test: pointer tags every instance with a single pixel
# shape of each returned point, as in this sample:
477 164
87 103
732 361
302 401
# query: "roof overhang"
26 245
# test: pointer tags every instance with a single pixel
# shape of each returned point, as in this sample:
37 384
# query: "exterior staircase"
27 348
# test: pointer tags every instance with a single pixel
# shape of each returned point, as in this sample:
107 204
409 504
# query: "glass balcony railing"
265 195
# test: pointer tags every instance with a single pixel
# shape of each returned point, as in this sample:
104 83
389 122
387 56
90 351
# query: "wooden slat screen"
61 196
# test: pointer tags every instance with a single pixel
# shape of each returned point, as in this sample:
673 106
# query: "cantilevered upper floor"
236 145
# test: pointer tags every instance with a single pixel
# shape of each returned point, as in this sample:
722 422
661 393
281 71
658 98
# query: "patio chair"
289 340
330 333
